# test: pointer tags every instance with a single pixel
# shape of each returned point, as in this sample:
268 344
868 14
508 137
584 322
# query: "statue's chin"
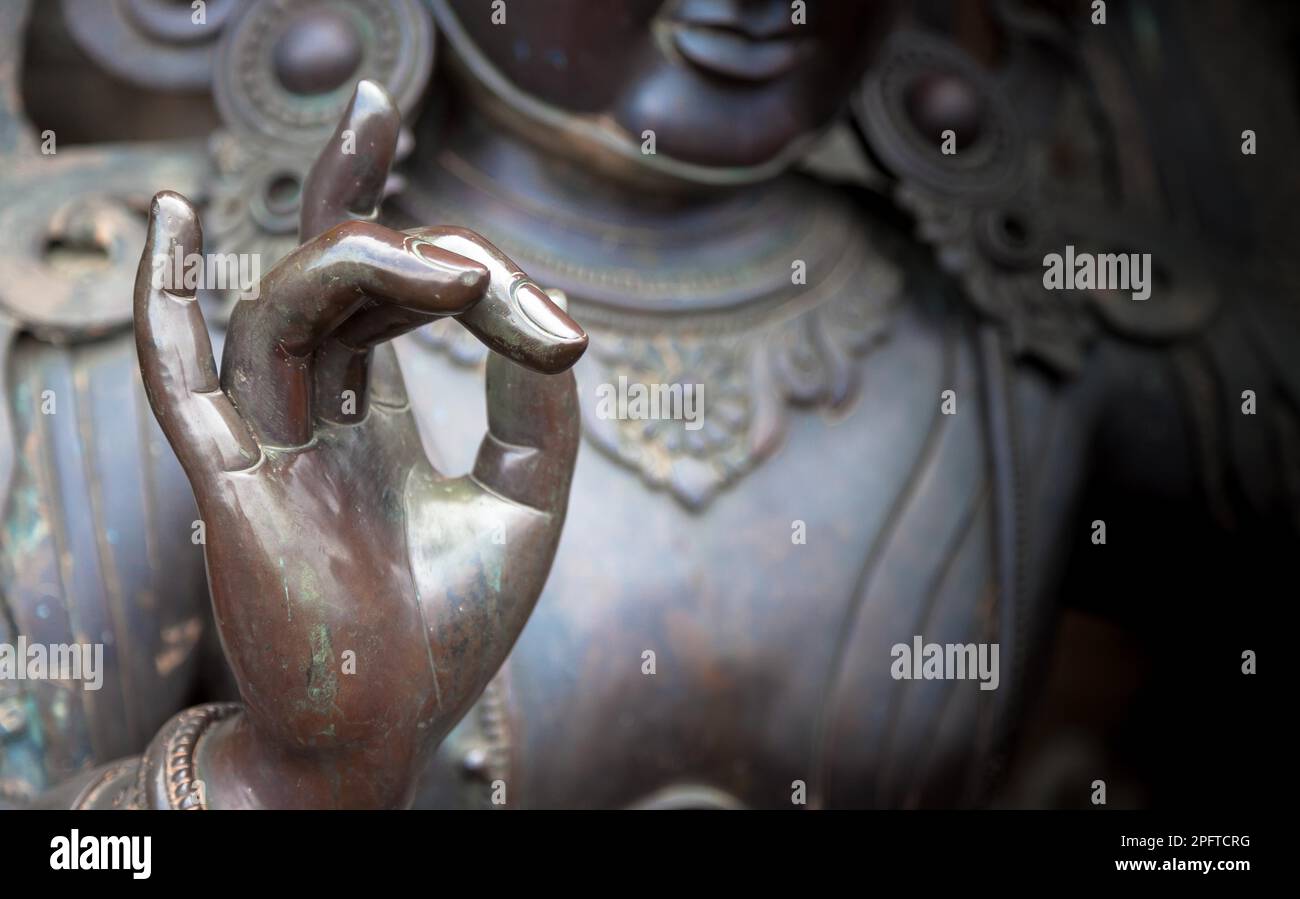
700 122
651 157
636 141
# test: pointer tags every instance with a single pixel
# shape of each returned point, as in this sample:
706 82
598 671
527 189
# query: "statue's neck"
612 242
461 143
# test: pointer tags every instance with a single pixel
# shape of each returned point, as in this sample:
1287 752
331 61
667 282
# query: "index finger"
347 180
268 364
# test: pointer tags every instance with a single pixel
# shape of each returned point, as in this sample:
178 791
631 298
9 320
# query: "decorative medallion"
157 44
286 68
1014 190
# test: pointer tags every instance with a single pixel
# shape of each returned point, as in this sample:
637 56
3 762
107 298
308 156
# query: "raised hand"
363 599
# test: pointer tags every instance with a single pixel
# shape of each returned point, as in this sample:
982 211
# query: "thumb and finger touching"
324 316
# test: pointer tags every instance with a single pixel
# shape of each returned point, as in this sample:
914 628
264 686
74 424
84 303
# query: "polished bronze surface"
426 597
881 425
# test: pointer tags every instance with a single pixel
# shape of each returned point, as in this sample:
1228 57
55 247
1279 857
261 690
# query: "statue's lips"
731 54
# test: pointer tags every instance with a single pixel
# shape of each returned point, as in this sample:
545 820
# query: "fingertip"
474 275
545 314
370 96
471 284
579 343
172 216
580 347
373 118
170 202
348 178
174 230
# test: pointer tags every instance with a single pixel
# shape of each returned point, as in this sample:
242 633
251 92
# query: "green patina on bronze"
322 683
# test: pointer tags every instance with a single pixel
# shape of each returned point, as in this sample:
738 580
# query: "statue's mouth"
733 53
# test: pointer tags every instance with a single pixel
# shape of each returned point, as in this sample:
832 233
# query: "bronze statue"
874 418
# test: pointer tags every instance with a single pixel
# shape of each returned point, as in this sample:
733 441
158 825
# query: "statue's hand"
364 600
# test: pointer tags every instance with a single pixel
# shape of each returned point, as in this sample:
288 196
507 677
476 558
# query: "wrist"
241 766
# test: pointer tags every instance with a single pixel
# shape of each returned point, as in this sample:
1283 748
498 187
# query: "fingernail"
175 228
545 315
